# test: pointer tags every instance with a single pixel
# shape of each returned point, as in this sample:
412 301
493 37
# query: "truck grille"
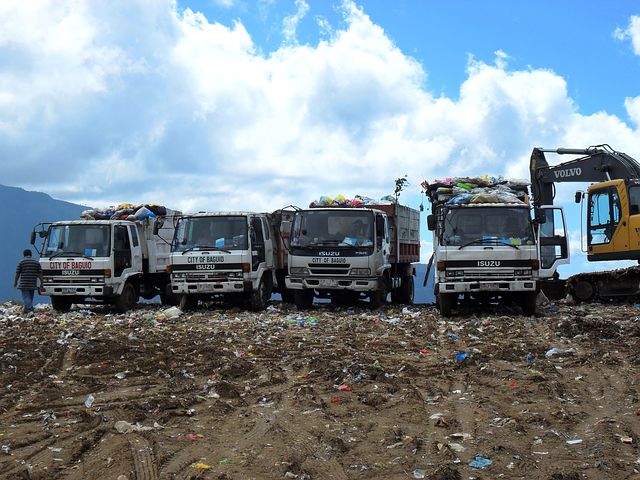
342 269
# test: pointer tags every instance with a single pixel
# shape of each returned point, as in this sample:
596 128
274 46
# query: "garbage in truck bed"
125 211
357 201
485 189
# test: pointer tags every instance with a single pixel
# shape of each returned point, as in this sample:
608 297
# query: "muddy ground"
333 393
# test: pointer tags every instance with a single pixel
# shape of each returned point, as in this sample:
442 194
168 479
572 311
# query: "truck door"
121 250
268 242
553 247
382 247
258 253
136 250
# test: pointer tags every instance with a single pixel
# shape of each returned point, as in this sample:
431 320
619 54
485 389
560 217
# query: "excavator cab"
613 220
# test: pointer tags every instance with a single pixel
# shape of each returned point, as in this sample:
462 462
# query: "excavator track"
614 285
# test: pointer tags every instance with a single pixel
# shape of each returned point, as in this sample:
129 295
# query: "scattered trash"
480 461
171 313
575 441
453 337
89 401
419 473
558 351
125 427
344 388
225 461
200 466
461 356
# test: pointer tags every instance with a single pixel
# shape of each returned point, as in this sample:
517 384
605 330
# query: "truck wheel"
127 299
260 297
528 303
169 299
378 298
61 304
407 290
287 295
187 302
303 298
447 302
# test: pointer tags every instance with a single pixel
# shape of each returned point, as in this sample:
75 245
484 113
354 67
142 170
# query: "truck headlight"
360 271
299 270
235 274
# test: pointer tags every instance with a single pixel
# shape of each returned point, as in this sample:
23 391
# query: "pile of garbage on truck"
125 211
483 189
356 201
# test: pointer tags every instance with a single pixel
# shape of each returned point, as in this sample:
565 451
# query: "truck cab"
86 261
228 255
344 254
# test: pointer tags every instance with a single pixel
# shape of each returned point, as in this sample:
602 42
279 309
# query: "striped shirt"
29 271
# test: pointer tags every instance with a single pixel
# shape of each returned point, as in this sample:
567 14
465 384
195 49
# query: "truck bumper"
95 291
488 286
210 288
353 284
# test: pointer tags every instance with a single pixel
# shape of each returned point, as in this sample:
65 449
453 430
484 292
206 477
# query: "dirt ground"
333 393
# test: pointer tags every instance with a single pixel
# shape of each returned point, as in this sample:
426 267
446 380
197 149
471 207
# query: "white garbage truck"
238 257
485 245
101 259
345 253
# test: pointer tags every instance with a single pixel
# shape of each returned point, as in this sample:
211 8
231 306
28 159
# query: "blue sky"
237 104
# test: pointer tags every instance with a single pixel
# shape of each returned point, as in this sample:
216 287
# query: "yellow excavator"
612 215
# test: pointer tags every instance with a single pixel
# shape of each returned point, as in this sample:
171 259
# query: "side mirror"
157 226
33 238
432 222
578 196
285 227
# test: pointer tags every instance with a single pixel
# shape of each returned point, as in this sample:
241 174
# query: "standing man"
27 273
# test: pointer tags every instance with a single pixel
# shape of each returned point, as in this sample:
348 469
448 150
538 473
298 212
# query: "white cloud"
290 23
632 32
633 109
142 102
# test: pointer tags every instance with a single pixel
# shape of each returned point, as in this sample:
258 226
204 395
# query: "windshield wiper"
494 241
70 253
206 247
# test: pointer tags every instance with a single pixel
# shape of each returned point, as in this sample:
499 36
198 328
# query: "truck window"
634 199
604 215
381 231
134 235
80 239
499 224
335 227
214 231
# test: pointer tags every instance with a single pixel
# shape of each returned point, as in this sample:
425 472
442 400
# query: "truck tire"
378 298
127 299
528 303
447 302
287 295
260 297
407 290
303 298
61 304
168 299
187 302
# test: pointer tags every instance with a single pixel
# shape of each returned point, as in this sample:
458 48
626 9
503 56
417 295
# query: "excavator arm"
599 163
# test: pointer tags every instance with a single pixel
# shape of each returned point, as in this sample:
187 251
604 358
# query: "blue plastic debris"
461 356
480 461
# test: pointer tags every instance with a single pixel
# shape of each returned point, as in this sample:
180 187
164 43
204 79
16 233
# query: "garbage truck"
112 256
238 257
485 246
346 251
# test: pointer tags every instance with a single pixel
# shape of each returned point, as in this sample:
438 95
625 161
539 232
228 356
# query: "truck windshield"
77 240
496 225
332 227
207 233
